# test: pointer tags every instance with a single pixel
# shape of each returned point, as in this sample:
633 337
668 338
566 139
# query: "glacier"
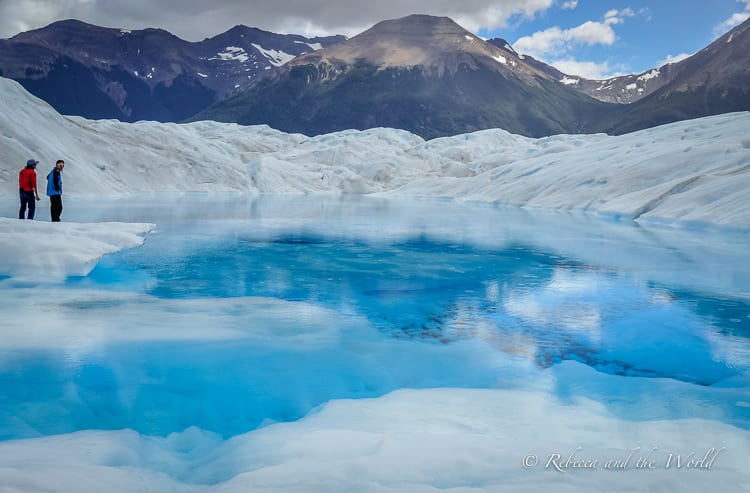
692 172
77 246
473 413
148 391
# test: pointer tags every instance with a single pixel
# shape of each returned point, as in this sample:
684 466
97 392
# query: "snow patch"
275 57
650 75
231 53
313 46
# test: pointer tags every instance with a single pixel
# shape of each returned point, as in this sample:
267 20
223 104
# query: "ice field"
240 343
229 308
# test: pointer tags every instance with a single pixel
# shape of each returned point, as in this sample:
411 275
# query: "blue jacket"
54 182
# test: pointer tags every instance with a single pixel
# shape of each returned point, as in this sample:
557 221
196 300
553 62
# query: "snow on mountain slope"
696 170
147 74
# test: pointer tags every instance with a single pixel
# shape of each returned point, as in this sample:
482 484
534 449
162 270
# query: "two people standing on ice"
29 194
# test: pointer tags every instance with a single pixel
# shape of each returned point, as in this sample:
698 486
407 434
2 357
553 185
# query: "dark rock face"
419 73
150 74
713 81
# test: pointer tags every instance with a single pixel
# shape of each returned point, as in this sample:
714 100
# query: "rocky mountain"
148 74
713 81
622 90
420 73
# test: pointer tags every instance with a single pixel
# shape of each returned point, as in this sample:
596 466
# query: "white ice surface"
85 318
456 440
692 171
44 251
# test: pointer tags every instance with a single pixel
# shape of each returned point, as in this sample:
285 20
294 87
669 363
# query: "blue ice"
421 294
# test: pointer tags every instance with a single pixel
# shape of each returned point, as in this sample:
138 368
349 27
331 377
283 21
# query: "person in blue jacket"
54 190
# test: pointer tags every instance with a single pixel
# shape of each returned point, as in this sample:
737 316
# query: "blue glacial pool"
242 312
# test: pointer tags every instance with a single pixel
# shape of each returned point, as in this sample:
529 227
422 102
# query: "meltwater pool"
365 344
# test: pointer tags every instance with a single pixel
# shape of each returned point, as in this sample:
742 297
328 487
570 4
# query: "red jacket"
27 180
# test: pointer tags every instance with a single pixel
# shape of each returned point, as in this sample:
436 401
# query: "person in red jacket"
27 189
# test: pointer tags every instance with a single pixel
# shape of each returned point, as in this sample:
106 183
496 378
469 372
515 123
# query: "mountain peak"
414 40
418 22
66 25
421 31
72 33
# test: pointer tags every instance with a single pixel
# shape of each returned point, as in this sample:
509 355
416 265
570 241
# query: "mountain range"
623 89
420 73
713 81
150 74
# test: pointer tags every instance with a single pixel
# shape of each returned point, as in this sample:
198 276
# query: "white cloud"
588 70
734 20
541 42
196 19
556 46
618 16
556 41
610 14
21 16
592 33
569 5
673 59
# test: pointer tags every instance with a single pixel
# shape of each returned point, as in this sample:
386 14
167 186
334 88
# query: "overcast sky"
591 38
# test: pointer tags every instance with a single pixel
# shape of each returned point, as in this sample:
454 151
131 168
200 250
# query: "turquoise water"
261 310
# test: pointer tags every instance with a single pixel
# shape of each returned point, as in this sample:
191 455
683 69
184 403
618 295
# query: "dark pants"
55 207
27 199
